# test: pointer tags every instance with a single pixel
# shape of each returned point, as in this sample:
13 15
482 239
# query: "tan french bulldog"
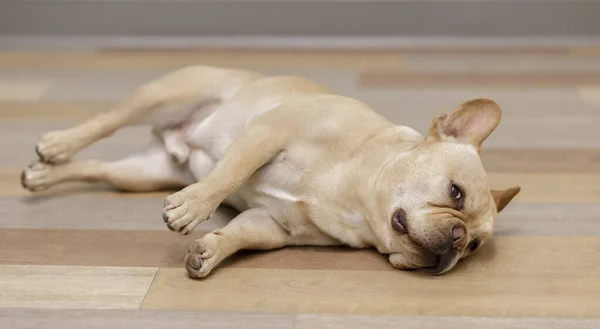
302 165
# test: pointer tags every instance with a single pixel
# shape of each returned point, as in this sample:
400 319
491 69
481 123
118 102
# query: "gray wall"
475 18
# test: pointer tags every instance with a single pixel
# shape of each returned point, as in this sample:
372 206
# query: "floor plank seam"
149 287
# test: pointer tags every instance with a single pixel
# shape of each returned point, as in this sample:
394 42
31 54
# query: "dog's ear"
503 197
472 122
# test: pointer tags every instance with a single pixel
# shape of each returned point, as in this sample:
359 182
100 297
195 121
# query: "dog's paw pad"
199 260
37 177
55 147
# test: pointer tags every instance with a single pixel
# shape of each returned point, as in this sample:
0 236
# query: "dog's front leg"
260 142
252 229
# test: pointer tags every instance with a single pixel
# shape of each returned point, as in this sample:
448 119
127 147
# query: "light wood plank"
515 64
585 51
165 248
94 247
447 50
160 248
150 319
48 111
132 60
551 187
22 90
349 321
73 287
541 160
590 95
139 319
91 212
549 219
525 292
456 79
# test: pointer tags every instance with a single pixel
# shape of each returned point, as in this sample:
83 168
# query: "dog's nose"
399 222
459 236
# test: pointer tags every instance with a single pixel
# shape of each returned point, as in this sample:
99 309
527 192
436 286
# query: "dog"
301 164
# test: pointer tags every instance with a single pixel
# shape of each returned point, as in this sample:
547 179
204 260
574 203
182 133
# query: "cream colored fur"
303 165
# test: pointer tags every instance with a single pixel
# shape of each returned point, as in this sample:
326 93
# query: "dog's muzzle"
443 263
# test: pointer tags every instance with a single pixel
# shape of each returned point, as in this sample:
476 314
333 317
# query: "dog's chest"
273 185
277 187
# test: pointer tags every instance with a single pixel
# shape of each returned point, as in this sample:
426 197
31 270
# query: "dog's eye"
456 192
473 245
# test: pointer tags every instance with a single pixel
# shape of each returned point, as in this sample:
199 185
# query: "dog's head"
441 208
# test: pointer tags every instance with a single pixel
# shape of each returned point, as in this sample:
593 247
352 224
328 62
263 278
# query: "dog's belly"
273 187
210 138
276 187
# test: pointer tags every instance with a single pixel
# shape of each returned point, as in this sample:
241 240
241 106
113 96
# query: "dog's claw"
39 154
23 179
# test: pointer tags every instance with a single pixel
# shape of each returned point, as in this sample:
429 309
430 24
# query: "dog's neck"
355 199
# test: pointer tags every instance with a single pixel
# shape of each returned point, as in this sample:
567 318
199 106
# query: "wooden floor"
83 256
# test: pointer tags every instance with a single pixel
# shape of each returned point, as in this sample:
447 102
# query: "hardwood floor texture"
66 287
82 255
498 292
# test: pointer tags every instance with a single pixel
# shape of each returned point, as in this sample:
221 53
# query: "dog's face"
441 208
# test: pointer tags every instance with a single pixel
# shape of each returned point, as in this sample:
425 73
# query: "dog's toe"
178 216
195 261
200 259
198 247
195 266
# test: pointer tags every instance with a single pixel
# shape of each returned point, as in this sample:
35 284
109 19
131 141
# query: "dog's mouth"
442 264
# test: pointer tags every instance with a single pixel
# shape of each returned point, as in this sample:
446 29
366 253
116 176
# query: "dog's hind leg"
60 146
150 170
167 101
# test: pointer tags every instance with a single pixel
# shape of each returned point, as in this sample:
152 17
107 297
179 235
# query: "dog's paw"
37 177
55 147
183 212
200 259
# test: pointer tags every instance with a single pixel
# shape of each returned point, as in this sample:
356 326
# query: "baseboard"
292 18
